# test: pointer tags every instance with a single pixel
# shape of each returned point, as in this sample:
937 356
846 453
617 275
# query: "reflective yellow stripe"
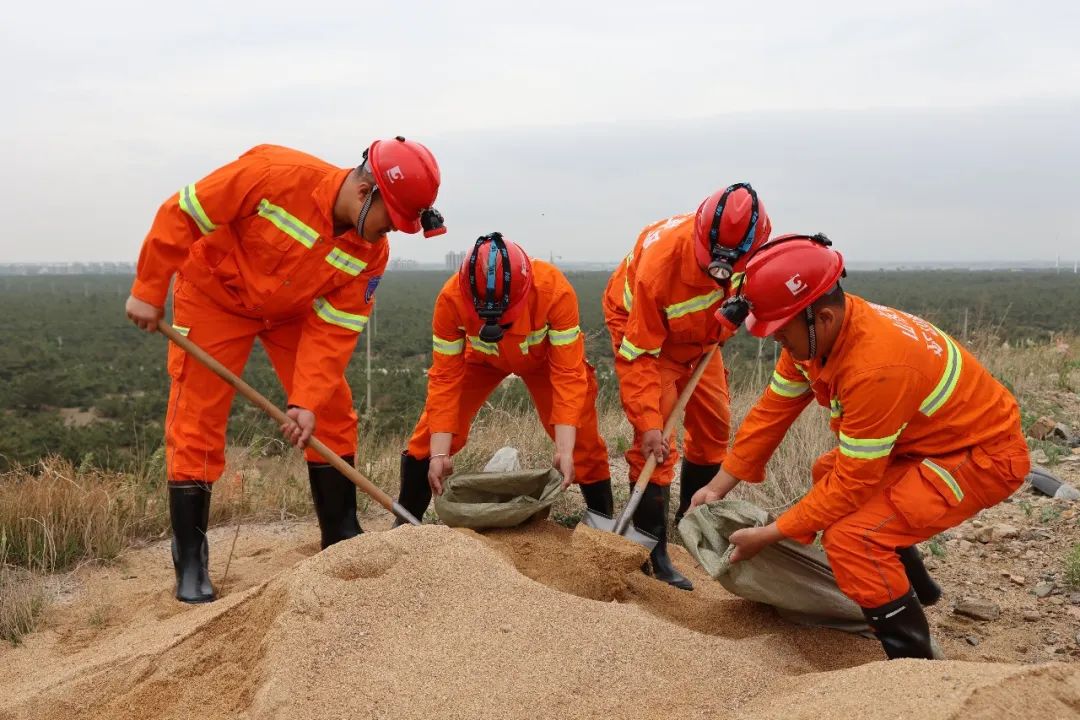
835 410
868 448
630 351
181 329
947 478
802 371
564 337
345 262
627 296
190 204
534 338
447 347
736 281
701 302
485 347
288 224
787 388
949 379
332 315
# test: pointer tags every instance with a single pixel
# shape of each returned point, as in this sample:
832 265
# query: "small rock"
1044 589
977 523
1057 600
1031 615
1042 427
1039 456
974 641
1075 598
984 534
1017 579
966 545
505 628
1004 532
1062 432
977 609
1078 638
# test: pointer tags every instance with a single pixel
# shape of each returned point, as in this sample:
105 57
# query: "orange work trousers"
199 401
480 380
912 506
707 420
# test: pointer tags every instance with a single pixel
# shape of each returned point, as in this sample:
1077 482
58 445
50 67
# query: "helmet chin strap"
364 209
811 331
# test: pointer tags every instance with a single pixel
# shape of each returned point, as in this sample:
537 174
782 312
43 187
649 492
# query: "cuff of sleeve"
794 526
442 423
307 400
149 292
748 472
566 416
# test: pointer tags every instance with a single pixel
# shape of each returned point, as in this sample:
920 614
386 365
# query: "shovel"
623 526
282 419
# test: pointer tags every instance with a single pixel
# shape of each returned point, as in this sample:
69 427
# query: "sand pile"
532 622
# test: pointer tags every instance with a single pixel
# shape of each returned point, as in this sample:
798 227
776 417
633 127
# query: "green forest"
78 380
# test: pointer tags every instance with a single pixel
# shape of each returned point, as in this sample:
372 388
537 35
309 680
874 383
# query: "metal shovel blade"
600 521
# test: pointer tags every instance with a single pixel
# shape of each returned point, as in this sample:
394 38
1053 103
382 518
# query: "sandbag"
494 499
795 579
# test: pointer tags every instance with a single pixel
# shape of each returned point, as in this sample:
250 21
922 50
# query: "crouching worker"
506 314
927 437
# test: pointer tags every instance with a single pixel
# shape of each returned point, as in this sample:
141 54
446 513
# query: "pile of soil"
431 622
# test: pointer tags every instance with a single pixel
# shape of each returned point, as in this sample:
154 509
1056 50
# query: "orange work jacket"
257 237
896 387
544 338
660 303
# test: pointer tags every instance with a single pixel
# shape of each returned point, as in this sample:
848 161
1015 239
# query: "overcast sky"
906 131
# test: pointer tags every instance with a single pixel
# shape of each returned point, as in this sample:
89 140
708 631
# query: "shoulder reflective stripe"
835 410
695 304
190 204
534 338
332 315
447 347
345 262
181 329
868 448
564 337
947 478
288 224
485 347
627 296
632 352
787 388
949 379
802 371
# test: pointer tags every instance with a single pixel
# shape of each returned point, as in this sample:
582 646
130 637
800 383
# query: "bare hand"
652 443
299 431
440 468
749 542
564 463
143 314
717 489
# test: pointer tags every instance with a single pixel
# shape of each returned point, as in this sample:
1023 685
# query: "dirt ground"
527 622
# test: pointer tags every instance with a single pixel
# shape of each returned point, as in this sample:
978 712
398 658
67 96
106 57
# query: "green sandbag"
491 499
795 579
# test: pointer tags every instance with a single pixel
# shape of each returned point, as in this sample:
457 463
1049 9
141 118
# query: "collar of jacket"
827 370
325 196
689 270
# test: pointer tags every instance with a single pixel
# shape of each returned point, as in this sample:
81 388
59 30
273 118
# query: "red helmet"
728 227
495 278
785 277
407 177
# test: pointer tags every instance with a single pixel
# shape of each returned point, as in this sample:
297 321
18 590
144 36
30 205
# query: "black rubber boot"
902 628
692 478
651 517
189 512
598 497
928 591
415 493
334 496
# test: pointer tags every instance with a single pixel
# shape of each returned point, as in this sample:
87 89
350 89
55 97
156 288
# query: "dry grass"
22 599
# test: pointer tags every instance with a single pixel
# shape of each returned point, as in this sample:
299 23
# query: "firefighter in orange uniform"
281 246
927 437
506 314
659 307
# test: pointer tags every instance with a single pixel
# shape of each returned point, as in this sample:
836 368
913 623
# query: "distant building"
68 268
454 259
404 264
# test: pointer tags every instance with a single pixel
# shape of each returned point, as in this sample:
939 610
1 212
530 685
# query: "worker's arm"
328 338
638 354
877 405
569 378
444 385
198 209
